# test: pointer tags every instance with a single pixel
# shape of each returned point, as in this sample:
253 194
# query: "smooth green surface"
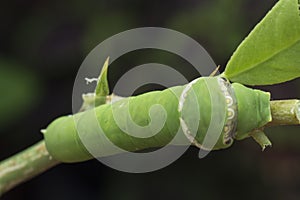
201 92
64 143
270 53
62 140
65 136
253 109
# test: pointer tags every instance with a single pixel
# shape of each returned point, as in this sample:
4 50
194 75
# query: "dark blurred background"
43 43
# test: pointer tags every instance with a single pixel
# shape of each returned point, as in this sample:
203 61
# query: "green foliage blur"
42 44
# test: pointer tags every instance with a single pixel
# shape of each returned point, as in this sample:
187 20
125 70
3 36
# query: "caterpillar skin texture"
246 109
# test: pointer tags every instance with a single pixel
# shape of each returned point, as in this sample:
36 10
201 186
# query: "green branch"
24 166
285 112
36 159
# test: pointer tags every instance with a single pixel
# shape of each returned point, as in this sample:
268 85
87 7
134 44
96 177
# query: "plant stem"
24 166
36 159
285 112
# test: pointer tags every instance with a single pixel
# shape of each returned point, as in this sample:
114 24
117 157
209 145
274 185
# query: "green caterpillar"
245 110
195 109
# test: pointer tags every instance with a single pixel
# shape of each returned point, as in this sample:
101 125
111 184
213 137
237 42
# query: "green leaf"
271 52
